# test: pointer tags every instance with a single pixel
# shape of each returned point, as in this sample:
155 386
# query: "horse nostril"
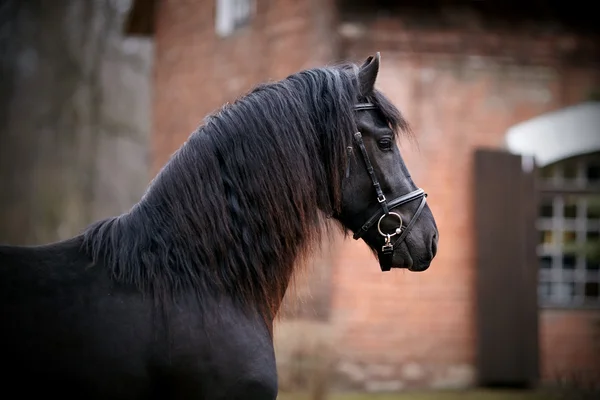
434 242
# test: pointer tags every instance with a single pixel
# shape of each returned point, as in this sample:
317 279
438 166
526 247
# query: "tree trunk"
74 116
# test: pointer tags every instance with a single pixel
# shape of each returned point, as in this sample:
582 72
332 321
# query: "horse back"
67 328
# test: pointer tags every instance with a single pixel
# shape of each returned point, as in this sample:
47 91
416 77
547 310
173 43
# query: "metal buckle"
388 246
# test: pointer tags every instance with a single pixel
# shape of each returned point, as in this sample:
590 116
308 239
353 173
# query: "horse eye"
385 144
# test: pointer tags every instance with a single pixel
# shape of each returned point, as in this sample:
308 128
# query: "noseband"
387 250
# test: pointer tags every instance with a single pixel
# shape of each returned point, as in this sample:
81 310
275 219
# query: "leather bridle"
387 250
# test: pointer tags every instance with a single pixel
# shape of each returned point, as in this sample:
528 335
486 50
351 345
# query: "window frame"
559 189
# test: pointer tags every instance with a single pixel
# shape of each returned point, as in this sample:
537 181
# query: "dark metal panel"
507 312
529 205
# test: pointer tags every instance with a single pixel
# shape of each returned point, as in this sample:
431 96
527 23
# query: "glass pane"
570 209
592 263
569 261
593 207
569 237
546 237
591 290
546 209
592 249
570 170
546 262
549 172
592 173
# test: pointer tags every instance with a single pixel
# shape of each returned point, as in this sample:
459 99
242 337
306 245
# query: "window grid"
569 226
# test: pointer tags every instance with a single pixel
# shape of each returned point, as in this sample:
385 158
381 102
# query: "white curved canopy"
557 135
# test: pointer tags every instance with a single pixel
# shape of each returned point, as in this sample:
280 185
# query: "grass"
433 395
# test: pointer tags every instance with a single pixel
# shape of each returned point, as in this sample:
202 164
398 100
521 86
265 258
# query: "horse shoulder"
224 356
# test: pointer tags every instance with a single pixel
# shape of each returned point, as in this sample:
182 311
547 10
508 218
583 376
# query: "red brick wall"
196 71
570 344
420 326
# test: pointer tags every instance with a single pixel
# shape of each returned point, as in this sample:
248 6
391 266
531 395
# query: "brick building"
468 76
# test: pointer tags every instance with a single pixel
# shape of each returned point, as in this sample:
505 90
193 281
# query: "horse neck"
212 230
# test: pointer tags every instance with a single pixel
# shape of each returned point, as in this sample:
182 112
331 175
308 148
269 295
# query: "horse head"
380 202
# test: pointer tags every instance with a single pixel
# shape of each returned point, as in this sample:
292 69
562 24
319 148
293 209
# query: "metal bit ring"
398 229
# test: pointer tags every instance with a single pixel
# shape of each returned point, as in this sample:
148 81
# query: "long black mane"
244 198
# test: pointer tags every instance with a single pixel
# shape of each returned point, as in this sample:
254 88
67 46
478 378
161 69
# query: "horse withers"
176 298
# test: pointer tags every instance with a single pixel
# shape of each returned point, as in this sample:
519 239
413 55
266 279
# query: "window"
232 15
569 239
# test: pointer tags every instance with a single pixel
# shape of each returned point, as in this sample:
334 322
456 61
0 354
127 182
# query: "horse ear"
367 74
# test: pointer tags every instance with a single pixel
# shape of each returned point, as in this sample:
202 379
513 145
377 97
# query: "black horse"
176 298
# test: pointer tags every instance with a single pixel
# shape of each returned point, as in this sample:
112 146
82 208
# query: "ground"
436 395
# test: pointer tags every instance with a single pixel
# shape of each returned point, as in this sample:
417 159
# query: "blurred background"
503 97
